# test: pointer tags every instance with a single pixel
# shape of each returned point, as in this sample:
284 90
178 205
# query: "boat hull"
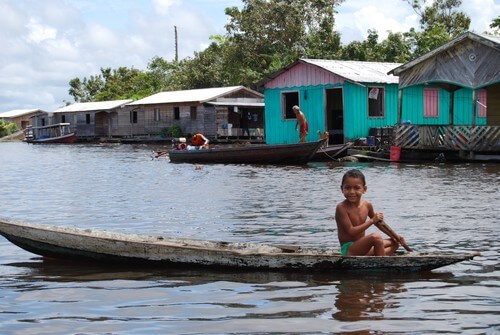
299 153
325 153
68 138
109 247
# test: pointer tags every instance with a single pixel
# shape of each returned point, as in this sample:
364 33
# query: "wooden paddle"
388 230
159 154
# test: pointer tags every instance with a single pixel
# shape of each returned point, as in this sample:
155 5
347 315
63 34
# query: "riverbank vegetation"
266 35
7 128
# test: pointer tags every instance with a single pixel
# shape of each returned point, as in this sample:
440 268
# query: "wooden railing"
468 138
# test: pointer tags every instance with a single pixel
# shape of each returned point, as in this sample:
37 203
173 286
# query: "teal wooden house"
344 98
450 99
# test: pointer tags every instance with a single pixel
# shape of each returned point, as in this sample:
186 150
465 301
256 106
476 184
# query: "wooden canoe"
298 153
103 246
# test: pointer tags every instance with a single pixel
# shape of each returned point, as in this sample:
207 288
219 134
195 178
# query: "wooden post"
474 106
452 101
400 105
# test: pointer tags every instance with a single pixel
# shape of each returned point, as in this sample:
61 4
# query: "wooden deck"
484 139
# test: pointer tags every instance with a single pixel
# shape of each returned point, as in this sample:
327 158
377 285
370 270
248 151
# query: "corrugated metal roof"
92 106
357 71
197 95
239 104
19 112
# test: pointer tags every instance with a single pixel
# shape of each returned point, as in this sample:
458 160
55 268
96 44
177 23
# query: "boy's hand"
378 217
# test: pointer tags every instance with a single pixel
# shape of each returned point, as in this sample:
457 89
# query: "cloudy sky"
46 43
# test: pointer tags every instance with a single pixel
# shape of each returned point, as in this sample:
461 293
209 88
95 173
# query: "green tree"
440 22
266 35
85 90
495 25
443 13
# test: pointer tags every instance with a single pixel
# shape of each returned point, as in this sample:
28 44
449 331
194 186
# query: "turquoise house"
455 84
450 99
345 98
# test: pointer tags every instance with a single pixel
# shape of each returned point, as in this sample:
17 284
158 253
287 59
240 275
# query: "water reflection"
360 299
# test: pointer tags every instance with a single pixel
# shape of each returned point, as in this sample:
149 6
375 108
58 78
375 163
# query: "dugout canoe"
112 247
297 153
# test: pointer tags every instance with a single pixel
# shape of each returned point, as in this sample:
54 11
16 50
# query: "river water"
121 188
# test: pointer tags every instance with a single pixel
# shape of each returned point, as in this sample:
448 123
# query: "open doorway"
335 115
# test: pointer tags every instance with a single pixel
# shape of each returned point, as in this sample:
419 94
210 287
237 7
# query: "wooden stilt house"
93 119
21 117
219 113
449 99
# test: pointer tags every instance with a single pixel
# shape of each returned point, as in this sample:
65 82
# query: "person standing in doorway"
302 122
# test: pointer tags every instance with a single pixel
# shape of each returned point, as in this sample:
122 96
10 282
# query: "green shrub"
174 131
7 128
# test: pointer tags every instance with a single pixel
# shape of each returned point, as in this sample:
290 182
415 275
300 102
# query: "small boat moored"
298 153
54 133
109 247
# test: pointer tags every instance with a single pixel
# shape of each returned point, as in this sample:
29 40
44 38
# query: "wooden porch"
484 139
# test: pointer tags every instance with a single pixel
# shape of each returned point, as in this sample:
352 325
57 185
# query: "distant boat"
54 133
298 153
134 250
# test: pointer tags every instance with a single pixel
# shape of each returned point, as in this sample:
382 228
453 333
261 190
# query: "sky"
46 43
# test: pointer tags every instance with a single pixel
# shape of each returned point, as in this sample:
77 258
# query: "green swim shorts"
345 247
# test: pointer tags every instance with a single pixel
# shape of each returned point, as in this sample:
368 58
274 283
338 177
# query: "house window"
376 106
288 100
481 102
63 118
431 102
177 113
133 116
87 118
157 114
193 113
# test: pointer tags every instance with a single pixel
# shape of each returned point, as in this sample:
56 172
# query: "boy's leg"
390 246
368 245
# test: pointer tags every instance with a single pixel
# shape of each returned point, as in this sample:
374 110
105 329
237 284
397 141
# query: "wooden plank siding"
147 125
413 107
356 121
280 130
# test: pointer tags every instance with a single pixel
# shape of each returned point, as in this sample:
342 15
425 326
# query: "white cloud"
47 43
356 17
38 32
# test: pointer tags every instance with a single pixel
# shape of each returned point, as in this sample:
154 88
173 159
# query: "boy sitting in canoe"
351 215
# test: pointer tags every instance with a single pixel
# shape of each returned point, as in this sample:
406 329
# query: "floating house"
344 98
21 117
449 99
219 113
92 120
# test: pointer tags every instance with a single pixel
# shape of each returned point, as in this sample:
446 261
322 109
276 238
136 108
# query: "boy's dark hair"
354 173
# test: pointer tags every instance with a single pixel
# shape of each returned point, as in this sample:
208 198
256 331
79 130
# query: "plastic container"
370 140
395 154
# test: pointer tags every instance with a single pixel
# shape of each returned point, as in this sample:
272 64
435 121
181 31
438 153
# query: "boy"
351 215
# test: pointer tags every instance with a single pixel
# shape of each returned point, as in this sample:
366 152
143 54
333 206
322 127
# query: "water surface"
120 188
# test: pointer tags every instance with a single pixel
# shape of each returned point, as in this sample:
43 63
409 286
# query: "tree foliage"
7 128
266 35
